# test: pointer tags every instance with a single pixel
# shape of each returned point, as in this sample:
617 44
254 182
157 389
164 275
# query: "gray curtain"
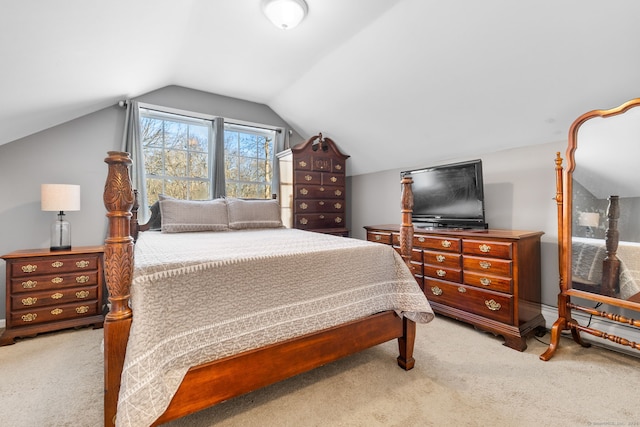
219 185
278 146
132 144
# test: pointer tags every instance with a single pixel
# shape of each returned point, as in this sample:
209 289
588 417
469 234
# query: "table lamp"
60 198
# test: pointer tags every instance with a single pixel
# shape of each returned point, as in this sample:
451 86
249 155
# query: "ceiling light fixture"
285 14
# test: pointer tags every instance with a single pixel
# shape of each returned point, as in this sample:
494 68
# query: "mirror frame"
564 201
567 210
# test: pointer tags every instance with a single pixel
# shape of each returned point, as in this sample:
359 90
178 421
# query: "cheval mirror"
598 199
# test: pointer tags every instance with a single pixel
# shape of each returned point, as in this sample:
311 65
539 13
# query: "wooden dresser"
488 278
50 290
312 186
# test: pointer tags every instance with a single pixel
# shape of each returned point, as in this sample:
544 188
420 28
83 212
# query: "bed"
209 312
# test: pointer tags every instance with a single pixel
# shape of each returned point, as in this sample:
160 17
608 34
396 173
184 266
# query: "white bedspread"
198 297
588 255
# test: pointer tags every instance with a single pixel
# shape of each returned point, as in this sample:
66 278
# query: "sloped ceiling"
396 83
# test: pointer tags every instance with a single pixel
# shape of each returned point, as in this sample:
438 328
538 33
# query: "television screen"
449 195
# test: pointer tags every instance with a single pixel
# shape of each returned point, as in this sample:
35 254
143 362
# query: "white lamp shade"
589 219
60 197
285 14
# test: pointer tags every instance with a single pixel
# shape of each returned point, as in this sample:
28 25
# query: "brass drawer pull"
338 193
82 264
304 191
436 290
338 220
57 264
82 309
82 279
308 177
484 248
321 203
338 167
378 237
334 179
446 244
29 317
57 295
82 294
337 205
29 268
56 311
29 284
441 273
485 264
302 163
492 305
303 206
57 280
462 290
484 281
440 258
29 301
304 221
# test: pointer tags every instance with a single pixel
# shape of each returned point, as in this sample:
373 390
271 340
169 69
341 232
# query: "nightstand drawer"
54 265
38 283
54 313
28 301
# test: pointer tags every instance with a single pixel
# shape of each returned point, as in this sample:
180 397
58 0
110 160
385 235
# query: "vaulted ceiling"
396 83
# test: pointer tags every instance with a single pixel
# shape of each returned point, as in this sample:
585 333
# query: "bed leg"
116 335
405 344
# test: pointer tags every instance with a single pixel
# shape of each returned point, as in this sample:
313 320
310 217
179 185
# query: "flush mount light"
285 14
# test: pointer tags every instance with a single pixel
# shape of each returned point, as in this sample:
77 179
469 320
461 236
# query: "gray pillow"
180 216
254 213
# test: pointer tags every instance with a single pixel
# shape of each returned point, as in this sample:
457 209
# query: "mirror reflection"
607 162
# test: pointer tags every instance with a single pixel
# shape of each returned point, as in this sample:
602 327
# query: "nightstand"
51 290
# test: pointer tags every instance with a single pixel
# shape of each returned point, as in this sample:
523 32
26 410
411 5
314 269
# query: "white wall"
73 153
519 186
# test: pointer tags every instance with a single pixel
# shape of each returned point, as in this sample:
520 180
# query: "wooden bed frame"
214 382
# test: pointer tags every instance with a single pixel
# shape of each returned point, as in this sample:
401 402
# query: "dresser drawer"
450 274
494 266
53 265
27 301
486 281
308 177
488 248
311 221
54 313
37 283
444 259
491 305
319 192
379 237
319 206
437 243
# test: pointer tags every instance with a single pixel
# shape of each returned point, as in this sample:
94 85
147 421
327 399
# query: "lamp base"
60 234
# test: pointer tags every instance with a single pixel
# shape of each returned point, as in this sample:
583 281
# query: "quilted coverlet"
198 297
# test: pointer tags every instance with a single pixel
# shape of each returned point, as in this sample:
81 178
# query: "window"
178 157
248 152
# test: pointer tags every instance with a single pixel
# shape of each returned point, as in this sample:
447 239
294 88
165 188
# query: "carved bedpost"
611 263
406 227
118 259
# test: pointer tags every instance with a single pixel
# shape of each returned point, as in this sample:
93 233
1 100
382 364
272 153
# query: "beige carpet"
462 377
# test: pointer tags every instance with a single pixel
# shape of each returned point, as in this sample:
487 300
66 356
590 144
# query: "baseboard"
630 333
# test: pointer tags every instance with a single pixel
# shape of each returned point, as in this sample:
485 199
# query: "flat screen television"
450 195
